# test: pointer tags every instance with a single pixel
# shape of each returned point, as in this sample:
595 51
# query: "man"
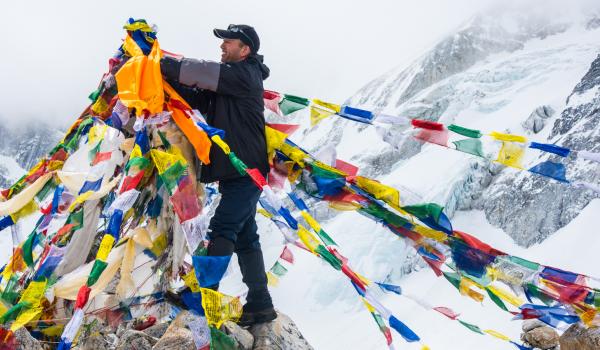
230 95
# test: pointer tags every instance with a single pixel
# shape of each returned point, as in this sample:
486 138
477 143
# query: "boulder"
243 338
532 324
541 337
136 340
281 334
578 337
25 341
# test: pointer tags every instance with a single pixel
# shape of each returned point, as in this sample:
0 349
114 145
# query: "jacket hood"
263 67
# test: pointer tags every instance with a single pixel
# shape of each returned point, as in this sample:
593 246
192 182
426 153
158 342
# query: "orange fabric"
195 136
139 81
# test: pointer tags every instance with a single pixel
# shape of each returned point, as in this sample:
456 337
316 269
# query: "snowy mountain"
532 75
22 146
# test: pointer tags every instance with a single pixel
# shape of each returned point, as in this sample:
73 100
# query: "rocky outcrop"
546 204
539 336
537 119
578 337
281 334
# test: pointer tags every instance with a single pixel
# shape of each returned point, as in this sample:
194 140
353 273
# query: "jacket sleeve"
222 78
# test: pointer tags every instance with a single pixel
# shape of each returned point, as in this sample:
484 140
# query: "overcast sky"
54 52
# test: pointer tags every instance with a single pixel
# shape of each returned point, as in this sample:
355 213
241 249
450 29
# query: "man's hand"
170 68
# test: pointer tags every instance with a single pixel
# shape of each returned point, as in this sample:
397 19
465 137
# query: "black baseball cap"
245 33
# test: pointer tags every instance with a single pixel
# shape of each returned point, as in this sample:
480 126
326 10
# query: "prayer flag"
317 114
561 151
464 131
471 146
290 104
550 169
511 154
272 99
210 269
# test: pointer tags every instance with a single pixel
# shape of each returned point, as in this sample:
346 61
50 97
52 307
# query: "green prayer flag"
237 163
48 187
278 269
453 278
172 175
325 238
163 139
95 94
317 171
139 162
92 153
9 294
28 249
290 104
327 256
76 218
536 292
385 215
14 311
423 211
97 270
525 263
471 146
472 327
464 131
221 341
496 299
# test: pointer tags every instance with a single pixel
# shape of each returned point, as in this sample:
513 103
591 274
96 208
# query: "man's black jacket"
230 96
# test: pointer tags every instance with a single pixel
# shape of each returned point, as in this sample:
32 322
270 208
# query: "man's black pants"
233 228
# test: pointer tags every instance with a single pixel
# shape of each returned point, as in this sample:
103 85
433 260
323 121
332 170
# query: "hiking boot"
250 318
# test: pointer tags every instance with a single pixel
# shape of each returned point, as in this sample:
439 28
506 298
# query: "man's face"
233 50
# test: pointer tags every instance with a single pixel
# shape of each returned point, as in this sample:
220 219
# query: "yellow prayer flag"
430 233
386 193
190 280
272 280
219 308
511 154
506 296
105 246
28 209
425 347
588 316
507 137
222 145
344 206
34 292
332 106
310 241
80 199
465 289
159 244
144 27
30 314
264 213
317 114
131 47
136 152
54 331
311 221
100 106
496 334
294 153
369 306
275 140
164 160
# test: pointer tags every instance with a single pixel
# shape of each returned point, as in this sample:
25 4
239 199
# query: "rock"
25 341
99 337
176 338
577 337
136 340
244 338
157 330
541 337
532 324
281 334
537 120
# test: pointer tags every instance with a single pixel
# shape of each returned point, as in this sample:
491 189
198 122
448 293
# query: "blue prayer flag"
114 224
288 217
561 151
356 114
141 139
390 287
556 171
210 130
89 186
298 201
403 330
210 269
6 222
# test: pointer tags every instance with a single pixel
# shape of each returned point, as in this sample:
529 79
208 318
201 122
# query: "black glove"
170 67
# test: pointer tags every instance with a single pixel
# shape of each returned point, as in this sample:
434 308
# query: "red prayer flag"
287 129
101 156
433 136
272 100
477 244
287 255
435 265
426 124
447 312
131 182
348 168
257 177
82 296
276 178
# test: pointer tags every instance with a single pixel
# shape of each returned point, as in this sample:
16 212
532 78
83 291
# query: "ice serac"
545 204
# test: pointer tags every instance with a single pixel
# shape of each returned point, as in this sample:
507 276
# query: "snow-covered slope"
502 72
